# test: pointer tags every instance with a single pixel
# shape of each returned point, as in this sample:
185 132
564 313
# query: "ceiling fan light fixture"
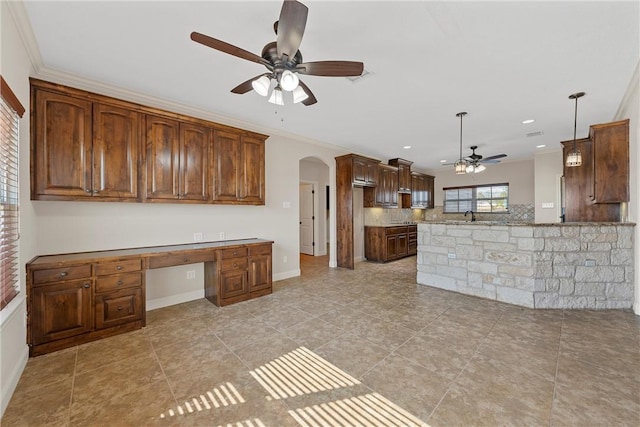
289 81
479 168
276 97
261 85
299 95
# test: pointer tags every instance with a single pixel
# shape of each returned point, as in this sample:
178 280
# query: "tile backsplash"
381 216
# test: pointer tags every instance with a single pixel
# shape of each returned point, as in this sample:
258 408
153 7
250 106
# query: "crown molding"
631 91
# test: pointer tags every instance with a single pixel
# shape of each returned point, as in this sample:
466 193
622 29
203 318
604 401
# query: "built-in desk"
80 297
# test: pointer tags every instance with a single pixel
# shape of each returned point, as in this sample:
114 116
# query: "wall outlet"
286 205
284 259
451 255
590 263
547 205
191 274
197 237
222 235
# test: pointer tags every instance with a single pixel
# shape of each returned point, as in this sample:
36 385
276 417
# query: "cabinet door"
116 308
392 247
371 175
233 283
116 137
611 162
194 161
62 145
163 163
61 310
252 176
402 242
429 191
226 154
259 272
381 191
392 188
360 171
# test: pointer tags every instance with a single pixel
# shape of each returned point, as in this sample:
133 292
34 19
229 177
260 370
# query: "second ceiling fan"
283 59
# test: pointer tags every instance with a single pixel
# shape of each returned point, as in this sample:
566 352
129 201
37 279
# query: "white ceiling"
503 62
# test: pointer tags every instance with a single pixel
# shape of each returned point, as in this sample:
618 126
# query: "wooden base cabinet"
76 298
384 244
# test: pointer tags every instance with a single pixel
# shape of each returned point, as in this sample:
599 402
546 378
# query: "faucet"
473 215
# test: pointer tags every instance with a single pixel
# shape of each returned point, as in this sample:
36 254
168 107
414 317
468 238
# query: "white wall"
630 109
519 175
15 67
548 169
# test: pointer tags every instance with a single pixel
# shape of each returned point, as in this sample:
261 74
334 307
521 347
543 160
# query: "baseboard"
174 299
636 308
286 275
15 357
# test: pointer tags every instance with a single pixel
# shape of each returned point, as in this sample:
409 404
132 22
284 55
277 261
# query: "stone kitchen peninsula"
565 265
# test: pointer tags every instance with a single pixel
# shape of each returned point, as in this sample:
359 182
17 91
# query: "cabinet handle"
119 267
88 191
62 274
235 265
87 285
185 259
235 252
119 308
119 283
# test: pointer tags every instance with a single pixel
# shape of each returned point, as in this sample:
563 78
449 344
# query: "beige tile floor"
338 347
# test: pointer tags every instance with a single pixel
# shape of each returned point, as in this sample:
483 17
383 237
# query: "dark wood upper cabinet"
422 192
194 175
61 158
239 169
404 174
595 189
116 136
385 193
86 146
163 157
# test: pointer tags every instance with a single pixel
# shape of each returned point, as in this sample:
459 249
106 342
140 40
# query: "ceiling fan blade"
331 68
226 48
490 159
311 99
246 86
291 24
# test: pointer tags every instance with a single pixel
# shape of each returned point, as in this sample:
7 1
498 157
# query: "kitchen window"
10 112
489 198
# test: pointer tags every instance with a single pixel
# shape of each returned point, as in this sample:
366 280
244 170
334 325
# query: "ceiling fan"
474 162
283 59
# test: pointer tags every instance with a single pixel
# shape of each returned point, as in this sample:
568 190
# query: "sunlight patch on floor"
224 395
298 373
367 410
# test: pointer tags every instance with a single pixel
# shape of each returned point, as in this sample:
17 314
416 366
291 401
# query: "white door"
306 219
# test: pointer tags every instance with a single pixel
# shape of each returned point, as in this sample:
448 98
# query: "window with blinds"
490 198
9 227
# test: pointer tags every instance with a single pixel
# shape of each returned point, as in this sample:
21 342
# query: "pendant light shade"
461 164
276 96
261 85
574 158
289 81
299 95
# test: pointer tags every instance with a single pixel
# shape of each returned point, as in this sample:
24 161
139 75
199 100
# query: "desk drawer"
59 274
233 253
260 250
118 281
171 260
234 264
119 307
114 267
395 230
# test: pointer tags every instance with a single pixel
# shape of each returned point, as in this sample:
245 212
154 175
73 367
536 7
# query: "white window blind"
9 227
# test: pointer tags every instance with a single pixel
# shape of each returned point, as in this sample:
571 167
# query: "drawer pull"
62 274
235 265
185 259
119 267
235 252
119 283
119 308
87 285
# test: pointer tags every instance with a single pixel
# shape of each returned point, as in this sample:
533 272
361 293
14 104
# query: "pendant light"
461 164
574 158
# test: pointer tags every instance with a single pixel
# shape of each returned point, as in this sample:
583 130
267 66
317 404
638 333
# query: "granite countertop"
528 224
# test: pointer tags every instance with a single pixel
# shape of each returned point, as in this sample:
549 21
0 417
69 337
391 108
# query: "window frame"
472 202
11 111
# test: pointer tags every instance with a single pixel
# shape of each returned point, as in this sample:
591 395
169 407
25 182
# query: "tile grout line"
73 384
164 375
465 366
555 378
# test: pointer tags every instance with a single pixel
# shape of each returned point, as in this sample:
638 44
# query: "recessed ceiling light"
407 147
540 146
526 122
443 161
